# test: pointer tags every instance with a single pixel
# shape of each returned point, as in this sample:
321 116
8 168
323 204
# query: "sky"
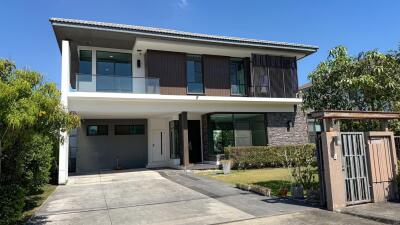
27 38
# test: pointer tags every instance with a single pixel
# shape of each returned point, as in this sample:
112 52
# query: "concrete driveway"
133 197
160 197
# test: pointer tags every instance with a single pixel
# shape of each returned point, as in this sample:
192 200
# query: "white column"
65 83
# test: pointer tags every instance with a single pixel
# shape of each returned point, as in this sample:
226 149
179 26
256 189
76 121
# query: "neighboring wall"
101 152
277 127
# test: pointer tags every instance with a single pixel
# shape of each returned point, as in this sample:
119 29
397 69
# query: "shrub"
269 156
12 204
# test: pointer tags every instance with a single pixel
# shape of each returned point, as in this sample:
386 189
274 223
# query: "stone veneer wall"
277 129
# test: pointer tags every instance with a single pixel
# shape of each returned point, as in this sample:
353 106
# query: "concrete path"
253 204
384 212
134 197
169 197
317 216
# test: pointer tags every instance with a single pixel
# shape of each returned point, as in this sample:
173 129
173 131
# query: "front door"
158 145
194 141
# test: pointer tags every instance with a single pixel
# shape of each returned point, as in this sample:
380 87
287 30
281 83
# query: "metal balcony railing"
117 84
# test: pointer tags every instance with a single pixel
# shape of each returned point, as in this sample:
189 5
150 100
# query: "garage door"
111 144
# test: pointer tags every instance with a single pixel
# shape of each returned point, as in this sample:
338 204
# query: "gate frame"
335 191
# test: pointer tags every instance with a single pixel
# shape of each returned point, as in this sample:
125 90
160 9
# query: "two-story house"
151 97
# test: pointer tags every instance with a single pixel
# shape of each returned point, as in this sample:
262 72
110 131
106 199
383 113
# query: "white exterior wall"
156 125
63 149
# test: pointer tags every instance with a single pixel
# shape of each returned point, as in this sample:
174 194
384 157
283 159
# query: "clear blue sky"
27 38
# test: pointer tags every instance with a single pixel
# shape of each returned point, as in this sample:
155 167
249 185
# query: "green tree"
367 82
31 118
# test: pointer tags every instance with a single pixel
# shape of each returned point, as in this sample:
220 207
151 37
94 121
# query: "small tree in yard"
368 82
31 118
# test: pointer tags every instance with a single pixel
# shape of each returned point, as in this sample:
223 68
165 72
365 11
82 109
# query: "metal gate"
355 168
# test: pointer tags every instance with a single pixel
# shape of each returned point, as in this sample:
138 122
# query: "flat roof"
356 115
175 34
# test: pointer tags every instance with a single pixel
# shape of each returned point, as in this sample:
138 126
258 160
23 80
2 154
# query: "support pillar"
183 127
65 84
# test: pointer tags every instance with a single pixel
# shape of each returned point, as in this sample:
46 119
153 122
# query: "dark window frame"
245 84
97 134
210 134
202 75
130 130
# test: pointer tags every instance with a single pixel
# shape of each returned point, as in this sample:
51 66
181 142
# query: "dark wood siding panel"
170 68
216 75
247 74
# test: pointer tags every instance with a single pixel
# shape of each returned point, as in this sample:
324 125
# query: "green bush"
12 204
269 156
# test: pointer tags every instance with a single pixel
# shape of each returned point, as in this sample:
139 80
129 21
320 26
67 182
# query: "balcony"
117 84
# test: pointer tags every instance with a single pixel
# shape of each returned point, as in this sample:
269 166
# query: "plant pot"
283 192
297 191
226 166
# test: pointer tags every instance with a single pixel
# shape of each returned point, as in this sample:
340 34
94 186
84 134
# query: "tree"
368 82
31 118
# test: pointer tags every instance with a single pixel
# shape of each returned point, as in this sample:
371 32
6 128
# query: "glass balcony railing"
117 84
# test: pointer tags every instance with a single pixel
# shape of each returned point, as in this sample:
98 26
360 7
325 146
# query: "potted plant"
283 191
226 165
297 190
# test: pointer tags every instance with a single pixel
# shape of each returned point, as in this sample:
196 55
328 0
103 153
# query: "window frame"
129 129
202 74
232 61
97 133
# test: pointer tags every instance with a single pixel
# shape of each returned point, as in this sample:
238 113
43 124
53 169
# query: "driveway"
160 197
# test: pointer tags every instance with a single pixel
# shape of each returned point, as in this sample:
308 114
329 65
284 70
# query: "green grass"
273 178
33 202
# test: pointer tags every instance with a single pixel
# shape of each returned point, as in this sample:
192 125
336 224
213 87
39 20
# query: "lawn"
273 178
33 202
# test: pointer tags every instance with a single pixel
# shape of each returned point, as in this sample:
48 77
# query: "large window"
85 62
194 74
114 71
96 130
114 63
237 75
129 129
237 129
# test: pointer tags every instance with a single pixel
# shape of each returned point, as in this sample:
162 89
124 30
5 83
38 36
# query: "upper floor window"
237 76
85 62
194 74
113 63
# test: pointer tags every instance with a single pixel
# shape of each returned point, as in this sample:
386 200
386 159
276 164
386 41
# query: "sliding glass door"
236 129
114 71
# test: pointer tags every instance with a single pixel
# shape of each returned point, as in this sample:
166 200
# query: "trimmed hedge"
268 156
12 203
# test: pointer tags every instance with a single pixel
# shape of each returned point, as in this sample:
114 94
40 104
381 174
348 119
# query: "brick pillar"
183 131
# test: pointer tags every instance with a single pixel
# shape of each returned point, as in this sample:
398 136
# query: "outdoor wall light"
337 140
138 63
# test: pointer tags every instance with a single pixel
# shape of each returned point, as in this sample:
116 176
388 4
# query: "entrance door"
383 168
194 141
355 168
158 145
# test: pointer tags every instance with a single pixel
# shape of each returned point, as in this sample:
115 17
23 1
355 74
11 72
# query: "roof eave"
307 50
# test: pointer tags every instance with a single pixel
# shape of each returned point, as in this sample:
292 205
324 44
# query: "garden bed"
271 178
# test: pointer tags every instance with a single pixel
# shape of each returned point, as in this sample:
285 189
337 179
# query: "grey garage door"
111 144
